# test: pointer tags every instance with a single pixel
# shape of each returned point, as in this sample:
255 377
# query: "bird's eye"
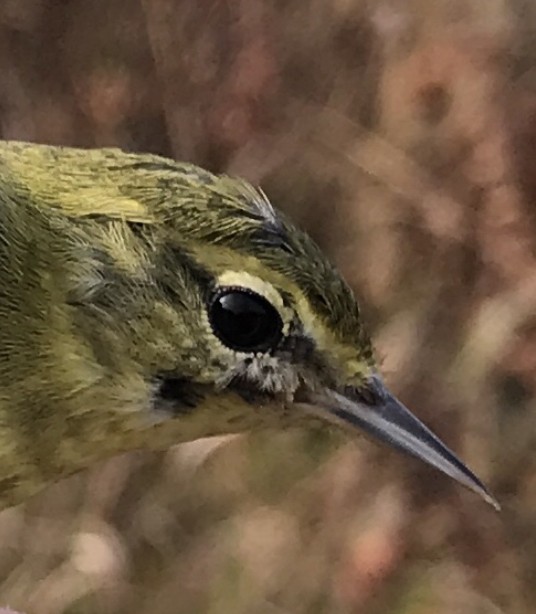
244 320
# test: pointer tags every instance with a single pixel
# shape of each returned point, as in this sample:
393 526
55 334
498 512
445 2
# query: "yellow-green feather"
104 259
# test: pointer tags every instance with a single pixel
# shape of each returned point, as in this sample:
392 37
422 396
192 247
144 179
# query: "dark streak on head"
271 236
175 395
297 349
151 166
169 262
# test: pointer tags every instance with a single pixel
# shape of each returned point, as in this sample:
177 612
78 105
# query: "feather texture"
107 260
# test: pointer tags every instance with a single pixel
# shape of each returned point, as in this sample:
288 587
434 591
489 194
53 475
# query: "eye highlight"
244 320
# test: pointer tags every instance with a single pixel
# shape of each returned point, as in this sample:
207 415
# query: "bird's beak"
384 417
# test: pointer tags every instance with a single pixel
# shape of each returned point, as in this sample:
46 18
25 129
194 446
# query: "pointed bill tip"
385 418
489 498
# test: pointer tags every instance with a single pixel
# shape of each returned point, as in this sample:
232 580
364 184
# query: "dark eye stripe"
173 265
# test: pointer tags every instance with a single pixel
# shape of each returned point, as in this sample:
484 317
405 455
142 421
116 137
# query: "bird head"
208 292
277 322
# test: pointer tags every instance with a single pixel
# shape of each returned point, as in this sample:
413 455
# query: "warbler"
145 302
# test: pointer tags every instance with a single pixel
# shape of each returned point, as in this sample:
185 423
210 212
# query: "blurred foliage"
403 137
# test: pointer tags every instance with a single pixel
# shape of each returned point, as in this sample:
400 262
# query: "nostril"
369 393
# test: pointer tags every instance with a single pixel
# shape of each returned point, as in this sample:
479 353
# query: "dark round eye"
244 320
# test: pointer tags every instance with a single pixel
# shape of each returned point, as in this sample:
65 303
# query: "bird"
146 302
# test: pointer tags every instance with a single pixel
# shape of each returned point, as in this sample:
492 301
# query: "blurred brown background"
403 136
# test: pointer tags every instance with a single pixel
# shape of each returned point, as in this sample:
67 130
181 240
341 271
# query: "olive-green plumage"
108 262
103 256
